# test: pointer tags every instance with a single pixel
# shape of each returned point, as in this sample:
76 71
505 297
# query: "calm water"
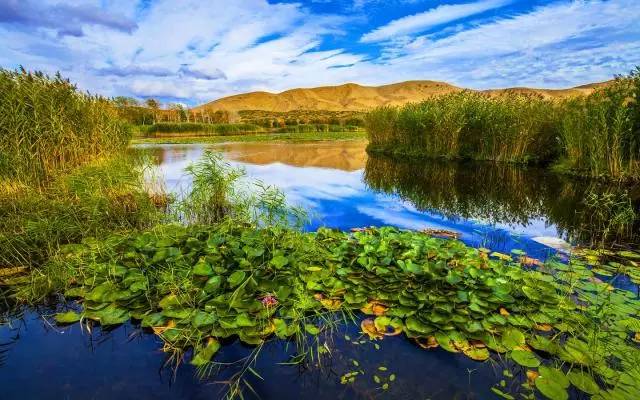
499 207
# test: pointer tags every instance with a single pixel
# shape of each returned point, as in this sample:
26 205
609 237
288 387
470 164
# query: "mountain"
354 97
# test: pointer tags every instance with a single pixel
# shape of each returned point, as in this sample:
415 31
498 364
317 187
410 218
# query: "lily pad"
68 317
583 382
550 389
525 358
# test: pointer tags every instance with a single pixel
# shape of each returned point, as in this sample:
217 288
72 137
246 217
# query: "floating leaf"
68 317
236 278
513 338
204 355
555 375
525 358
550 389
583 381
311 329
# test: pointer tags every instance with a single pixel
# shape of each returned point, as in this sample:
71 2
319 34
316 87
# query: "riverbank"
274 137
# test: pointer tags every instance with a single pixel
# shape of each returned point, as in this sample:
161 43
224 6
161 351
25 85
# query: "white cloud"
436 16
196 52
558 45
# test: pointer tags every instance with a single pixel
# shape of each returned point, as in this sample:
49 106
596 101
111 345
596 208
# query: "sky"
194 51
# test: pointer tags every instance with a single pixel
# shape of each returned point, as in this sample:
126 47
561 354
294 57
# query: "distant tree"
154 105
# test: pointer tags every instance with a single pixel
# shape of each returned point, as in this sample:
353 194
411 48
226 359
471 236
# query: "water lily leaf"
202 268
151 320
555 375
111 315
68 317
502 394
576 351
101 292
476 353
388 326
525 358
279 261
543 344
204 355
177 313
236 278
513 338
629 254
311 329
583 382
201 319
550 389
212 284
244 320
169 301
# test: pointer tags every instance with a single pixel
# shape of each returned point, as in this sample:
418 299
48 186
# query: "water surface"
500 207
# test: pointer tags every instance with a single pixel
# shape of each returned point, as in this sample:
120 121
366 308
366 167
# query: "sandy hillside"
353 97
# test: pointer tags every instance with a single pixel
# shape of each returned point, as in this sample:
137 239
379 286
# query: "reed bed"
319 128
48 126
467 125
212 129
596 135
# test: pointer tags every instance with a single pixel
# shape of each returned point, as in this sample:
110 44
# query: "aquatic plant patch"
197 285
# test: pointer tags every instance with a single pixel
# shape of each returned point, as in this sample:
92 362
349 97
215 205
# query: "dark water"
498 207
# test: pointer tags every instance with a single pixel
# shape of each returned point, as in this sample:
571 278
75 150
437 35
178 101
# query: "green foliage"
587 211
48 126
213 129
513 127
90 201
307 128
286 283
599 133
596 135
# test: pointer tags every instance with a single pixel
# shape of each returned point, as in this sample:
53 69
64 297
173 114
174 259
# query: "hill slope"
353 97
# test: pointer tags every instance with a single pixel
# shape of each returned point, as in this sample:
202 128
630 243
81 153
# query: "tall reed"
196 127
47 126
600 133
596 135
514 127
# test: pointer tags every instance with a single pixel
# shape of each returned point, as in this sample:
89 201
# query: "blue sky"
192 51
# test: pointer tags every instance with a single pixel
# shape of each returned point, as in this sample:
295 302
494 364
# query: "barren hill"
354 97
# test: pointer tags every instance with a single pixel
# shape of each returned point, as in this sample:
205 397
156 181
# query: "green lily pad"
204 355
513 338
202 268
583 382
555 375
68 317
236 278
550 389
525 358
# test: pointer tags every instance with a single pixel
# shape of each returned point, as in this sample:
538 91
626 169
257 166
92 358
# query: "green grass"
48 126
202 128
63 173
265 137
596 135
93 200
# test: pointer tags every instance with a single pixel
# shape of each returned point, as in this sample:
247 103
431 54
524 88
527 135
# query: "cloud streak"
194 51
434 17
66 19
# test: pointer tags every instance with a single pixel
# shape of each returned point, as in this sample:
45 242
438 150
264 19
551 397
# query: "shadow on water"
583 211
45 361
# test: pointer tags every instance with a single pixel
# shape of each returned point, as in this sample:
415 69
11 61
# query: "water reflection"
497 206
508 195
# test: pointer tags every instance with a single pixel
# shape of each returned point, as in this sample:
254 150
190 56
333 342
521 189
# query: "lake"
499 207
